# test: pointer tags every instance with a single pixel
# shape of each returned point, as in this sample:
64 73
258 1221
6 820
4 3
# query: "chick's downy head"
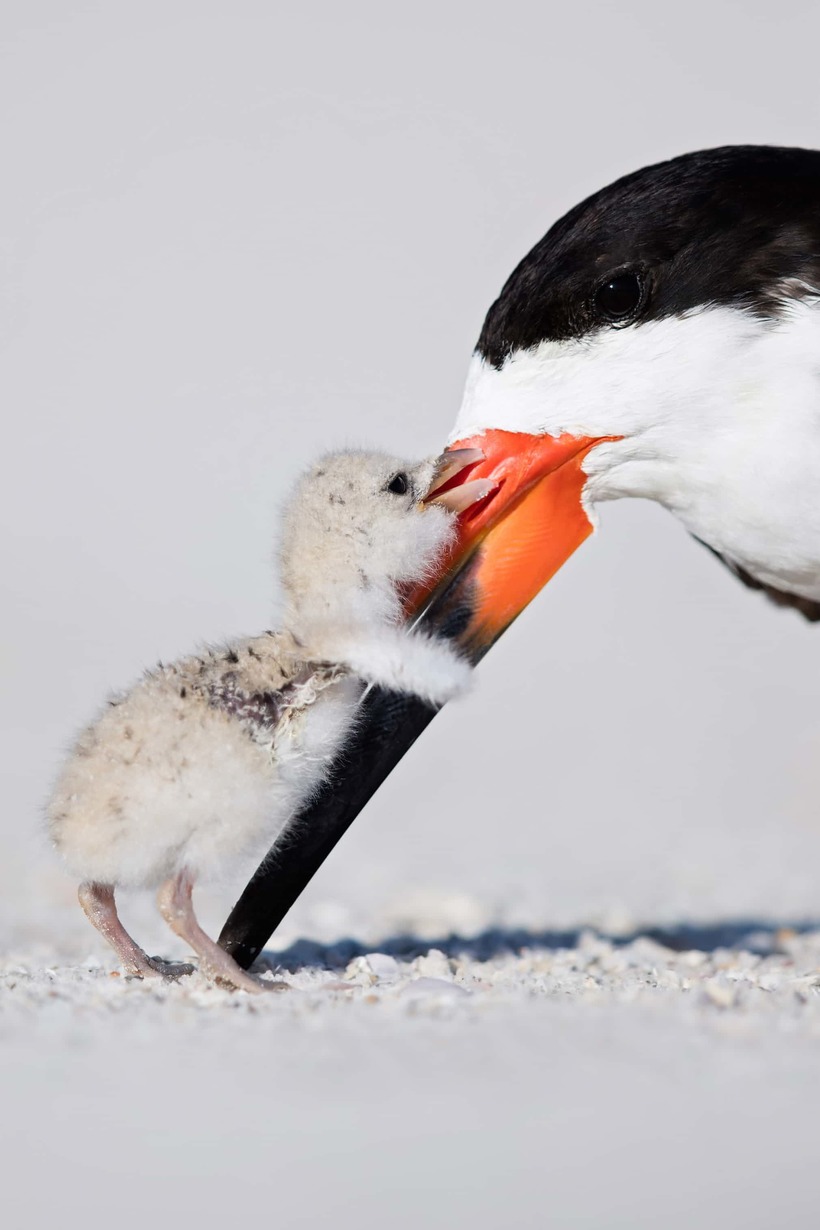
355 529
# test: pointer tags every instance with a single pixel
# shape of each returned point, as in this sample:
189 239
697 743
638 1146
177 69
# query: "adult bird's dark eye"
619 298
398 484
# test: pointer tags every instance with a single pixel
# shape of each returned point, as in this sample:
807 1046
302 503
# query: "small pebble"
383 967
433 965
719 993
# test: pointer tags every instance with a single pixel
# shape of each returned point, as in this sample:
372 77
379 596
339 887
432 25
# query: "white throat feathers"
355 533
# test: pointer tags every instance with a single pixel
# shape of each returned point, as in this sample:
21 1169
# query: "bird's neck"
326 622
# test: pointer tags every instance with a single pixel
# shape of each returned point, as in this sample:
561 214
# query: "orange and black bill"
524 521
521 515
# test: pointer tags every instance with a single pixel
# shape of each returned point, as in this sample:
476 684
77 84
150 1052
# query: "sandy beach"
511 1077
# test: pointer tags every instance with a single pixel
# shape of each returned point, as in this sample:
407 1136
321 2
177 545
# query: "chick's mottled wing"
247 679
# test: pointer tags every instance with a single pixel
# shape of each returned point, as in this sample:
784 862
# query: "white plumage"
208 758
715 414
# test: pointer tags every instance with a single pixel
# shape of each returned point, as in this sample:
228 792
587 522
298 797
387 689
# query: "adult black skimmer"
663 341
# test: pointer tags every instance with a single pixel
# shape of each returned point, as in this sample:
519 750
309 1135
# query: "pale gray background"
234 234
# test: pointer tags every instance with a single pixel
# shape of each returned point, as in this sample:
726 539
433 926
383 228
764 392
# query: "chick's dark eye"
398 484
619 298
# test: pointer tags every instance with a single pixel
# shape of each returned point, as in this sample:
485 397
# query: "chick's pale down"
206 760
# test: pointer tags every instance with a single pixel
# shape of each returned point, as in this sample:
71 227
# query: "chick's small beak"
519 497
449 487
451 464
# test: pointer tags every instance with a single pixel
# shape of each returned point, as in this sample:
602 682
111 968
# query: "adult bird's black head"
663 341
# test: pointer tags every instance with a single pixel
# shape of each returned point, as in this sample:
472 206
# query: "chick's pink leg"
100 908
177 908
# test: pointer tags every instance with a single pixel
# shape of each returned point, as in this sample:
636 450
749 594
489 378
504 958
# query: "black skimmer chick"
662 341
208 758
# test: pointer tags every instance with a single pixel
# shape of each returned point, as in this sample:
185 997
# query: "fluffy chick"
206 760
